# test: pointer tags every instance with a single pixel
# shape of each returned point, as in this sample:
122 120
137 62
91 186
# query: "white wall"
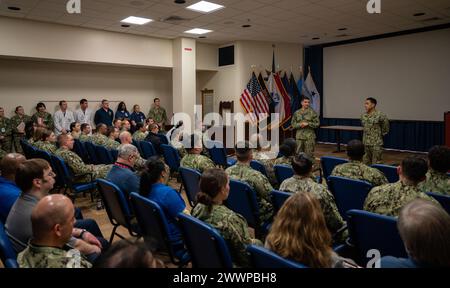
408 75
25 83
207 56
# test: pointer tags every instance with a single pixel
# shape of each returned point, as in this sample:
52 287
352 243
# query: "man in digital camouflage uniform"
5 132
194 159
18 122
305 120
158 114
437 180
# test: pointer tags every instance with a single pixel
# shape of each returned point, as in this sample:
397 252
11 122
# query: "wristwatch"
82 232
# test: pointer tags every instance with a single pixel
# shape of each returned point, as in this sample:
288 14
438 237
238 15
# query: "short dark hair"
302 164
414 168
45 134
355 149
72 125
28 171
100 125
152 126
154 100
111 130
61 102
243 151
373 100
305 98
104 100
286 150
84 125
17 108
39 105
292 143
139 125
439 157
82 101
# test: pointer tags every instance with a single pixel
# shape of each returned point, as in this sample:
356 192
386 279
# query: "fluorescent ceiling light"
136 20
205 7
198 31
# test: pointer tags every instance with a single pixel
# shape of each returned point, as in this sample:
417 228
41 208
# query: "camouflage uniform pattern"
46 118
99 139
139 136
6 132
179 146
197 162
306 137
375 126
259 182
436 182
15 121
2 154
360 171
330 211
46 146
232 227
283 160
159 115
388 199
81 171
50 257
85 138
112 144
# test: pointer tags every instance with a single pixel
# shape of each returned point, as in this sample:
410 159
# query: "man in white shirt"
84 114
63 118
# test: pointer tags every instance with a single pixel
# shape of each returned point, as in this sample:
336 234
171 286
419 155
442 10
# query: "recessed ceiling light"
136 20
418 14
198 31
246 26
205 7
125 25
315 38
342 29
202 37
14 8
180 1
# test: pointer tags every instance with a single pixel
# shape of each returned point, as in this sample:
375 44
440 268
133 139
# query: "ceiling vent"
174 19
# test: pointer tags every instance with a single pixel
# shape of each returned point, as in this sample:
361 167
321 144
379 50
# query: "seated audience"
9 192
356 169
299 233
47 141
85 132
425 230
287 155
126 125
52 224
125 138
194 159
439 164
140 134
113 135
388 199
122 172
99 137
214 189
75 130
153 138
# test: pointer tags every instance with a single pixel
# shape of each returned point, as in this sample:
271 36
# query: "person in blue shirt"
122 112
425 230
152 186
9 192
136 117
104 114
122 172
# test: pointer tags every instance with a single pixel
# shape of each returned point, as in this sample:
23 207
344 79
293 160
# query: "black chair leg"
113 233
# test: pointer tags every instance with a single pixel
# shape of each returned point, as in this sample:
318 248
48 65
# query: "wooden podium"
447 128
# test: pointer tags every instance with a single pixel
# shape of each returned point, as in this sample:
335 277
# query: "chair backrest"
328 164
163 138
373 231
6 250
64 176
136 144
115 202
27 148
444 200
264 258
218 152
242 200
206 246
389 171
258 166
90 148
103 154
283 172
348 193
191 180
147 149
80 150
152 223
278 199
171 156
42 155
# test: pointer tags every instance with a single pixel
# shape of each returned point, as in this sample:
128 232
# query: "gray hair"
126 150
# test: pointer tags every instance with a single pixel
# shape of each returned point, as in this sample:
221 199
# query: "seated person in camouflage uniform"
264 156
194 159
287 155
356 169
81 171
425 230
299 233
214 189
126 125
36 135
75 130
302 182
47 142
113 136
140 134
52 223
85 132
99 137
243 172
388 199
437 179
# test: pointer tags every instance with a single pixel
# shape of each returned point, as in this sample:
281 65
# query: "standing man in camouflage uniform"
388 199
305 121
18 122
437 179
53 222
42 118
243 172
301 181
193 159
5 132
158 114
355 169
82 172
375 125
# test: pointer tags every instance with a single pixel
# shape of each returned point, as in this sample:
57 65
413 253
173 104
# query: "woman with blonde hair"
299 233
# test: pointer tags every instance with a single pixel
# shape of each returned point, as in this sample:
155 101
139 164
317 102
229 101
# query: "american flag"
253 99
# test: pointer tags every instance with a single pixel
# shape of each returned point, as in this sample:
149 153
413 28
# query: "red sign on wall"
187 49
